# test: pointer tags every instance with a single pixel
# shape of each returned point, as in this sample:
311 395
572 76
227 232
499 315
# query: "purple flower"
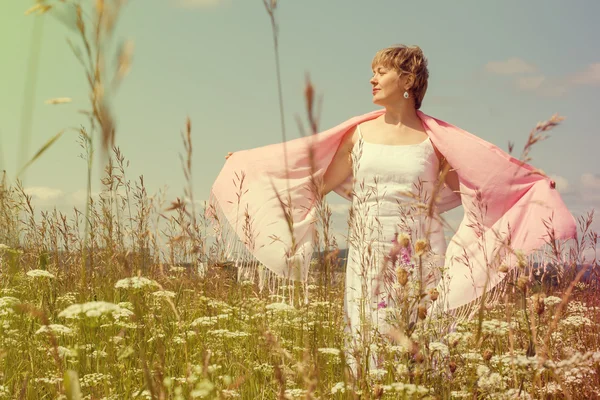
405 255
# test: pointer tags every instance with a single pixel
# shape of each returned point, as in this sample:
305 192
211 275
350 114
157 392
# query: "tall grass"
128 299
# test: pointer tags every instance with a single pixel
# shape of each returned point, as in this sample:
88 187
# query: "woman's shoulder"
351 137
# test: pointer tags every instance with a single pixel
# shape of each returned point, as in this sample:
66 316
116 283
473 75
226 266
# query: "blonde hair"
407 60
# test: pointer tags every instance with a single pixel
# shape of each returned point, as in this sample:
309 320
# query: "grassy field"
126 299
140 327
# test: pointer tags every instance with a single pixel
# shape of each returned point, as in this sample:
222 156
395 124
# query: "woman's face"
388 86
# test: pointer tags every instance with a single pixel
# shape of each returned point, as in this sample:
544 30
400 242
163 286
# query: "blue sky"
496 69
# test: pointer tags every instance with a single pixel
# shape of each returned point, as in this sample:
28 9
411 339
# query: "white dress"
381 208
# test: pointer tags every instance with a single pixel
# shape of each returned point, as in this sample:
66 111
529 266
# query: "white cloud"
562 184
525 77
590 181
542 85
588 76
553 90
590 188
44 194
79 197
512 66
530 82
46 198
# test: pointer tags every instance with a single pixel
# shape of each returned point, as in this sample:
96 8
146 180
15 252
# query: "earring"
406 95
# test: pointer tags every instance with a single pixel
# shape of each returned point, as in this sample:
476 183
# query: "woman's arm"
451 178
341 165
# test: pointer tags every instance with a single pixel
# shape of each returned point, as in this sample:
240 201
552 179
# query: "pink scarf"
522 206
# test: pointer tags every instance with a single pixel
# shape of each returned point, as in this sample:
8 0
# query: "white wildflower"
339 387
495 327
159 335
264 368
91 309
576 307
576 321
491 383
408 389
577 375
55 329
9 292
145 394
164 294
109 397
552 388
208 321
402 370
471 356
377 374
294 393
52 380
99 354
126 325
228 334
6 305
398 349
136 282
66 299
329 350
64 352
438 347
178 340
456 338
85 347
117 339
126 304
281 307
122 313
552 301
482 370
218 305
95 379
517 360
557 336
460 394
39 273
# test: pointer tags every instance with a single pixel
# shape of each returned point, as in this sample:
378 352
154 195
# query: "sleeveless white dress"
389 183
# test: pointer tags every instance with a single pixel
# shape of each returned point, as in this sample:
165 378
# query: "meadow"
129 298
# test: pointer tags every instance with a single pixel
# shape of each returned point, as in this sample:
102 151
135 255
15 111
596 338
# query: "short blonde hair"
407 60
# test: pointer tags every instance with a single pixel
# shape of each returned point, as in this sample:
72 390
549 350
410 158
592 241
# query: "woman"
395 167
389 161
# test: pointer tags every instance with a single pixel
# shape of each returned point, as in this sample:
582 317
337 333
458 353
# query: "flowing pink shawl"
505 202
